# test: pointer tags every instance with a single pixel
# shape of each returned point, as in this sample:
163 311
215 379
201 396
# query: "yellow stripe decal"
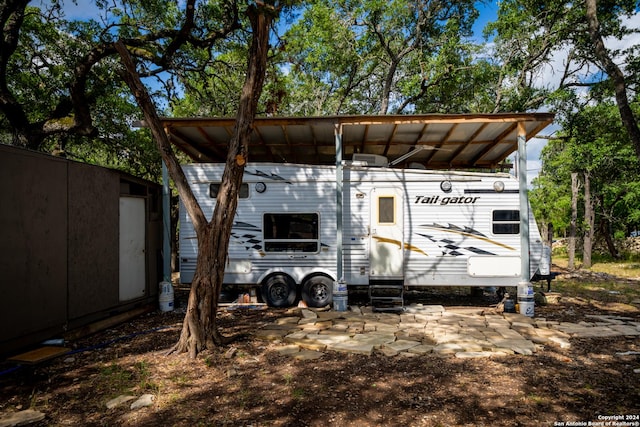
410 247
407 246
386 240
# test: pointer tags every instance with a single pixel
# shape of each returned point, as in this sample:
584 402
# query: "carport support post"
166 224
524 203
338 138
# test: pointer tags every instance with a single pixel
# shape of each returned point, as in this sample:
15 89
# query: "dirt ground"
253 385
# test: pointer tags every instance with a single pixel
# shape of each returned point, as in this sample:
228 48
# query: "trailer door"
386 255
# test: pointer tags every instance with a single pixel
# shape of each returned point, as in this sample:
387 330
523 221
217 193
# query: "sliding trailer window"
506 222
215 187
291 232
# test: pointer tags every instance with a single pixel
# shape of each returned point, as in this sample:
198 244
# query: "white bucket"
340 286
166 296
527 308
340 300
525 290
340 295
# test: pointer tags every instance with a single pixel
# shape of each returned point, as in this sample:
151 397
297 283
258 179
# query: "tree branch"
626 113
130 76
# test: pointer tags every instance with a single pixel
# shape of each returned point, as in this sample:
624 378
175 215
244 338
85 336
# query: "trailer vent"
371 159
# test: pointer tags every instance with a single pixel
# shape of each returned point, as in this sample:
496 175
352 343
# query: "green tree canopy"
595 144
373 57
59 90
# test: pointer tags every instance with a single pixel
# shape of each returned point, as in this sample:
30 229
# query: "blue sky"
488 12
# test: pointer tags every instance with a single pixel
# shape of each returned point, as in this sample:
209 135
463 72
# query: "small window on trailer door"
291 232
506 222
386 210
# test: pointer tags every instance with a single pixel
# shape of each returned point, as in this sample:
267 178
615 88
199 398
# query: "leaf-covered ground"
255 385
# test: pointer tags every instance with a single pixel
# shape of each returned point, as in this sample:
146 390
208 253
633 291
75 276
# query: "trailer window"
386 211
295 232
242 194
506 222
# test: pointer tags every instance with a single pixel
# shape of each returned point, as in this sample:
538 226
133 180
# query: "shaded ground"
256 386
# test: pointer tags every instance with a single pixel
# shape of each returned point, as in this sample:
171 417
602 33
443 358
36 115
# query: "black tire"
317 291
279 291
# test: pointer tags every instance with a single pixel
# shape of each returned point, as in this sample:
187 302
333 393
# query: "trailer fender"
273 271
329 274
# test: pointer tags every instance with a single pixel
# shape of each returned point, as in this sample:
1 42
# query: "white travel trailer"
401 228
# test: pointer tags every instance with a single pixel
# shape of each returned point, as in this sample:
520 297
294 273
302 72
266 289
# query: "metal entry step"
386 296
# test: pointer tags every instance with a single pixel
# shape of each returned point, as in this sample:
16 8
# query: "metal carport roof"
451 141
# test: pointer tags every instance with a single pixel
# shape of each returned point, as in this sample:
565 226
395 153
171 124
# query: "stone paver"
21 418
449 348
422 349
270 334
473 354
462 332
626 330
353 347
288 350
308 355
309 344
308 314
402 345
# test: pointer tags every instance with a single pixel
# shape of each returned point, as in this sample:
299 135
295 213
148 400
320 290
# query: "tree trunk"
575 188
605 231
199 329
615 74
386 89
131 77
589 217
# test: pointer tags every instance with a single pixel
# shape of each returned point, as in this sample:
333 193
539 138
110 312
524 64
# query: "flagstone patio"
421 329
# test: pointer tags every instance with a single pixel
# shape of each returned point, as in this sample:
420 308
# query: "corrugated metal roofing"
456 141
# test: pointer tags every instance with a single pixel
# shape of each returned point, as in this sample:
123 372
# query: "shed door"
132 247
387 240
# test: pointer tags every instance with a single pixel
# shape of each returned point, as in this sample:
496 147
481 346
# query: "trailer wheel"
317 291
279 291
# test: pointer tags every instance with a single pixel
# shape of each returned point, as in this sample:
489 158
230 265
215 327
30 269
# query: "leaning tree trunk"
199 329
131 77
615 74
